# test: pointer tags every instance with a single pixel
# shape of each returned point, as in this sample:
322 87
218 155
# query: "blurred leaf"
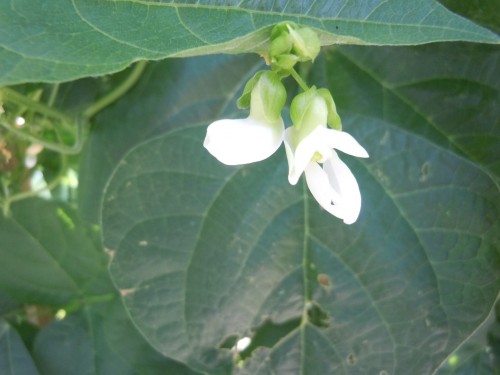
7 304
14 358
205 252
49 256
100 339
484 12
59 41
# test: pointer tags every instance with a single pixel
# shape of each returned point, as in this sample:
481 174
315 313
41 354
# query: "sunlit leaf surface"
54 41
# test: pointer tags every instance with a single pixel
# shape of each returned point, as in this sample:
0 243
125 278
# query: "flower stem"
117 92
299 79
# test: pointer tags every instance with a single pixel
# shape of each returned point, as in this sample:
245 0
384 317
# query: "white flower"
258 136
243 141
332 184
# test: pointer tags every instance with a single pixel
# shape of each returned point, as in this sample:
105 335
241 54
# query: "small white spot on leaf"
425 172
126 292
111 253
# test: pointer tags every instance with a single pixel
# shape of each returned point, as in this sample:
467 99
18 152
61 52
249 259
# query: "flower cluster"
310 142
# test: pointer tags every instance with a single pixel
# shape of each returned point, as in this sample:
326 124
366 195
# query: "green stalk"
299 80
117 92
13 96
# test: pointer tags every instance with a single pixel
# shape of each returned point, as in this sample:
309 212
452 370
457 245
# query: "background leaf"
99 340
14 358
59 41
204 252
484 12
49 256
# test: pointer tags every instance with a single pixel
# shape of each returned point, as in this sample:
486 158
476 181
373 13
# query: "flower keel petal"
344 183
319 185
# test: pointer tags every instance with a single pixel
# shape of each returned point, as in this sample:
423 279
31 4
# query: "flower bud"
285 61
306 44
309 110
290 44
282 44
267 98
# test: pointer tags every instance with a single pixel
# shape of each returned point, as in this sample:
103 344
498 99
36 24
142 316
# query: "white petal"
303 153
342 141
319 185
243 141
344 183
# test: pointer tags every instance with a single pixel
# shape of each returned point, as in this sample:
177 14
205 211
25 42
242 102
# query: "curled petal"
341 141
335 188
243 141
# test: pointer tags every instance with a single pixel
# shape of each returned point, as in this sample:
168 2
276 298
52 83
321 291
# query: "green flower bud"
282 29
290 44
267 98
280 45
306 44
334 121
285 62
308 111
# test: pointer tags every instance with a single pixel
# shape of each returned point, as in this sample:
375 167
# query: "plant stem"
299 80
117 92
13 96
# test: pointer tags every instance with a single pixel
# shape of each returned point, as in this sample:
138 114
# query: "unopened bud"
308 111
290 44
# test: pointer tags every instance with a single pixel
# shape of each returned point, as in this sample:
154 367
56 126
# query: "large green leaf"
14 357
61 40
204 252
49 256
